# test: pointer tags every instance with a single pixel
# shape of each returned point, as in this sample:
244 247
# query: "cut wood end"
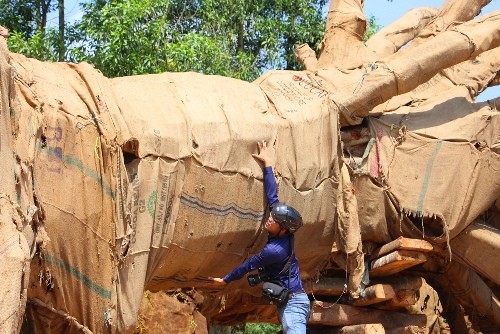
395 262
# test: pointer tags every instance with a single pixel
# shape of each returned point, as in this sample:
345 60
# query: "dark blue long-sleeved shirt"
275 253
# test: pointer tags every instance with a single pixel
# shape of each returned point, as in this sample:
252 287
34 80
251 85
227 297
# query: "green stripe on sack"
67 159
79 275
427 177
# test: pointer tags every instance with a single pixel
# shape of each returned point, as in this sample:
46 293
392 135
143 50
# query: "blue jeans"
295 314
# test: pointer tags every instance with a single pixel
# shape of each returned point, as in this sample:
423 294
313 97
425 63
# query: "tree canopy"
234 38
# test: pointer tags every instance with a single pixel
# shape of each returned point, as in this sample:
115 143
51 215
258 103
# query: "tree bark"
62 49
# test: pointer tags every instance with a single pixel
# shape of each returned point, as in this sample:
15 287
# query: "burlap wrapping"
448 174
184 200
479 298
14 249
72 182
436 162
14 268
475 244
389 39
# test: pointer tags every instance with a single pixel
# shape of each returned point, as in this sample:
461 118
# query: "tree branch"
342 45
452 13
307 57
392 37
403 74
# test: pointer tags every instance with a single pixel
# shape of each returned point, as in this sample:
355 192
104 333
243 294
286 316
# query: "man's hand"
264 156
216 281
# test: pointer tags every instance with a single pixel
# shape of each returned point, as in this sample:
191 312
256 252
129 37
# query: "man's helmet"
287 217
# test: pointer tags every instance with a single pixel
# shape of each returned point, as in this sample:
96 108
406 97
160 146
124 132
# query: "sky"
384 11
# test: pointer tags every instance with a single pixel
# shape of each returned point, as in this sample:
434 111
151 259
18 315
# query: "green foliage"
26 17
18 16
373 27
124 37
260 328
235 38
41 45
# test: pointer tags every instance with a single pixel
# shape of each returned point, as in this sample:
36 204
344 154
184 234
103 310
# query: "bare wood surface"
402 299
327 286
395 262
363 329
402 282
343 315
408 330
402 243
375 294
354 329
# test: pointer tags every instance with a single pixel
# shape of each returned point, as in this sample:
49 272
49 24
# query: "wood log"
451 12
375 294
363 329
407 330
395 262
343 315
402 282
399 75
307 57
478 297
402 299
483 69
495 81
476 243
329 286
354 329
402 243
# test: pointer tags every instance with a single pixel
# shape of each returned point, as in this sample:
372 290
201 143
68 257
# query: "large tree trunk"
114 186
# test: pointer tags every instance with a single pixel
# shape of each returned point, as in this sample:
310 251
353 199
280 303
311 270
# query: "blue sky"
384 11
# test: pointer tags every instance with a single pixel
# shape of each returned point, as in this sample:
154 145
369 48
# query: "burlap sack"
450 169
145 182
14 248
71 178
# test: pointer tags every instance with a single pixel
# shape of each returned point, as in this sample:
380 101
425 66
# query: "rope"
372 67
88 120
96 147
344 291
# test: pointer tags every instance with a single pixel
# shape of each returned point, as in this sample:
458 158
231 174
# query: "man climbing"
277 259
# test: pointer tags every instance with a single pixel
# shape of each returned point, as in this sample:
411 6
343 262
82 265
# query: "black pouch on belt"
275 292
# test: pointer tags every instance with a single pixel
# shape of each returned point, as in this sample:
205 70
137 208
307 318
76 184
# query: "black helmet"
287 217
